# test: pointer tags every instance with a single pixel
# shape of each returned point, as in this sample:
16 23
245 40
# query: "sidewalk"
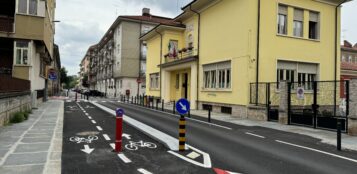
35 145
328 137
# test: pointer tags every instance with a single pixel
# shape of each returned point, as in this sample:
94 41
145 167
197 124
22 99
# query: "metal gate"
319 104
267 95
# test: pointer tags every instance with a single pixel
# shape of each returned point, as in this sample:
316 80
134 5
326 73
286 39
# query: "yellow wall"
153 59
176 94
21 72
320 51
227 34
29 27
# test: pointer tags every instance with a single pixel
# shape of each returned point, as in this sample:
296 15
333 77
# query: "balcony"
6 24
183 56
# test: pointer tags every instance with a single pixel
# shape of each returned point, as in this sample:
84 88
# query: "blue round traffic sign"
120 112
182 106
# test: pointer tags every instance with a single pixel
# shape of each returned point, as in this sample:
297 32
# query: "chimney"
347 44
146 11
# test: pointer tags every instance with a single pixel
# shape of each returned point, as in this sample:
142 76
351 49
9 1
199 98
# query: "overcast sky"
84 22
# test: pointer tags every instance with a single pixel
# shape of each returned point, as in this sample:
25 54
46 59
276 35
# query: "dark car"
96 93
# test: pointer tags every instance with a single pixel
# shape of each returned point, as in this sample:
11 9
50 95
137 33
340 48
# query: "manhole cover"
87 133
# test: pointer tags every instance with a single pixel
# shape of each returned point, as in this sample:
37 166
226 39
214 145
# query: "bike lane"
96 128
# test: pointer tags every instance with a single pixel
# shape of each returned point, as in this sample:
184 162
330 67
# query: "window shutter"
314 17
287 65
283 9
209 67
298 15
308 68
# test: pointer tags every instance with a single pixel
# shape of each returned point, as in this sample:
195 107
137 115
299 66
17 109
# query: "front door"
184 85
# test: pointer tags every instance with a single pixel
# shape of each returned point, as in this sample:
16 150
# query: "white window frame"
28 49
28 8
298 33
154 81
212 78
285 28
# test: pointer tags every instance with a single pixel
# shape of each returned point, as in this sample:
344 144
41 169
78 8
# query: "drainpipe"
160 61
140 57
258 49
198 51
336 51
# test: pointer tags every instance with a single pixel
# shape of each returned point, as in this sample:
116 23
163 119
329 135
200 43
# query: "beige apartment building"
26 43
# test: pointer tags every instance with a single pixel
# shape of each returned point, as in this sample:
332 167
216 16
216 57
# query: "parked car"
96 93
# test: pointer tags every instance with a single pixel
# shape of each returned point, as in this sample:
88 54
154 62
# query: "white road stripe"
94 122
112 145
87 114
124 158
315 150
143 171
106 137
254 135
99 128
89 117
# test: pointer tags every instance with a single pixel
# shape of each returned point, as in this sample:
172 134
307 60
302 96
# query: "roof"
150 18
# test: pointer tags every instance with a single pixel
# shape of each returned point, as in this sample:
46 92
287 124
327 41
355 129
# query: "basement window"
226 110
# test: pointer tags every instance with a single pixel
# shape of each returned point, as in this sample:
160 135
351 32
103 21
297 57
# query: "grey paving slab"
32 147
33 169
38 135
2 153
36 140
26 158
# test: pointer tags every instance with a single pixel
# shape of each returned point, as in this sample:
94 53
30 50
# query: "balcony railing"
181 54
6 24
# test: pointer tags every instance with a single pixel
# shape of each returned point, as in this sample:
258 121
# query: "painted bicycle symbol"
135 145
79 140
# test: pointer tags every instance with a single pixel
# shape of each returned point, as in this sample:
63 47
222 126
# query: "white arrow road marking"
106 137
193 155
87 149
206 158
94 122
124 158
127 136
112 145
99 128
143 171
183 107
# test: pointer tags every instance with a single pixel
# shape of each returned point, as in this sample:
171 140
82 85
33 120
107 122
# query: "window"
282 19
298 22
22 52
350 59
217 75
173 48
42 68
27 7
343 58
314 25
302 73
154 81
177 81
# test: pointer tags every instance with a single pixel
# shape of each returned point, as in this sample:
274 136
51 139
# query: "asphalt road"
250 149
82 120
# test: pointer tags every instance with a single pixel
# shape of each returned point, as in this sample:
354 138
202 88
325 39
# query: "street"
249 149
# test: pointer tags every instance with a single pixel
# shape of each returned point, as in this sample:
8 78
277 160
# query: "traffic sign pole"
182 133
119 130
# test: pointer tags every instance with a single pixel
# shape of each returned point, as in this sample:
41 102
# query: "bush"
26 115
18 118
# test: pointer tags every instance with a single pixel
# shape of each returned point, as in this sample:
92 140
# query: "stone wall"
9 105
238 111
257 113
352 118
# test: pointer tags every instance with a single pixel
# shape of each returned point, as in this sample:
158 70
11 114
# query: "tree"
64 77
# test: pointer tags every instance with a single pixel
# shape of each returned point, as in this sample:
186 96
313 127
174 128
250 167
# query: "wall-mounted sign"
300 93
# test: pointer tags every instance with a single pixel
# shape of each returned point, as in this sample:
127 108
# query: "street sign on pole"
182 106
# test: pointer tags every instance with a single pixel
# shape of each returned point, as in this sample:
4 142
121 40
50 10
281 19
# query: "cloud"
84 22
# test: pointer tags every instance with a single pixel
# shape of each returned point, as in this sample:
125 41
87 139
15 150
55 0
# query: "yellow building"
216 48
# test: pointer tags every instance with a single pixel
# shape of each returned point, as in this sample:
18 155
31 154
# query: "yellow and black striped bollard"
182 133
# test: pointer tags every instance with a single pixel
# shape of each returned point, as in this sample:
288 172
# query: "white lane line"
106 137
94 122
200 121
104 101
143 171
124 158
193 155
89 117
315 150
248 133
87 114
112 145
99 128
